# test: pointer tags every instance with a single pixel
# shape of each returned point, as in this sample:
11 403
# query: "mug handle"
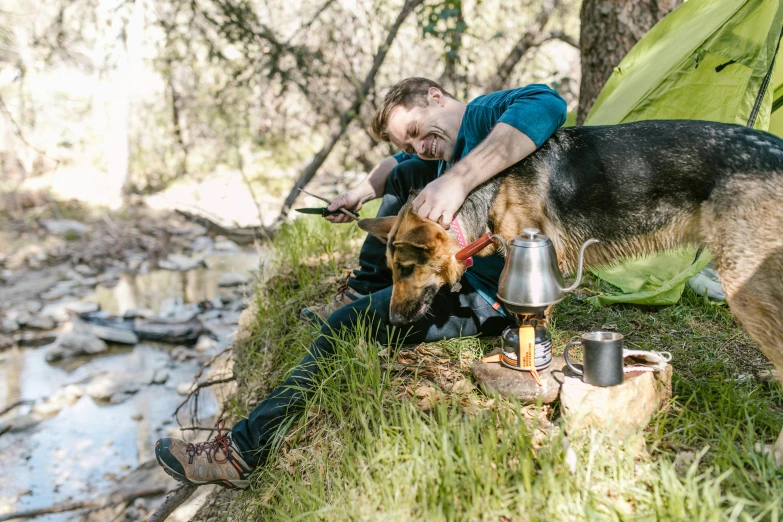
568 361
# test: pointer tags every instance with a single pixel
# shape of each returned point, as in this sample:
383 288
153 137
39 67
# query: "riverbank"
105 319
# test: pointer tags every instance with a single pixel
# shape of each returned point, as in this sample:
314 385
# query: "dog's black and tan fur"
639 188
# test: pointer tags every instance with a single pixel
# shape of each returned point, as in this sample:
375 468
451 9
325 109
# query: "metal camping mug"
602 358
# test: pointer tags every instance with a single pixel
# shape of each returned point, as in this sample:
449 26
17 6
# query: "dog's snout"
397 319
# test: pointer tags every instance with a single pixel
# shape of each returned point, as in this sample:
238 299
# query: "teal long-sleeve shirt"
535 110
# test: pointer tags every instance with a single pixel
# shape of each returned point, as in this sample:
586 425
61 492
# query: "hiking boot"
317 314
217 462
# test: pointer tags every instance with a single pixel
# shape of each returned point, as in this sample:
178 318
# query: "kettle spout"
581 263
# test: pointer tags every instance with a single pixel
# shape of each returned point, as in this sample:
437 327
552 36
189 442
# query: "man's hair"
410 92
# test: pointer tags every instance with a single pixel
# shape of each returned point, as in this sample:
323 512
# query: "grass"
377 443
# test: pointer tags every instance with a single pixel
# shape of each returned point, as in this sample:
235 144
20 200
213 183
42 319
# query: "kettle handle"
581 263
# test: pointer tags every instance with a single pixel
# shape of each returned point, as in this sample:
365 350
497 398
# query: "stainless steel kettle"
531 279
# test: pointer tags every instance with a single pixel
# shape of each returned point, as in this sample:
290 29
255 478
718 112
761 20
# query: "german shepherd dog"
638 188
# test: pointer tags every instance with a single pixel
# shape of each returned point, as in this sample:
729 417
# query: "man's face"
428 131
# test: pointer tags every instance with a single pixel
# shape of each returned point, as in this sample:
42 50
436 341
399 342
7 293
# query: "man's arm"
530 116
441 199
368 189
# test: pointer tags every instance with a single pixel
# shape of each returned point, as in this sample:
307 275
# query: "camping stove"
535 350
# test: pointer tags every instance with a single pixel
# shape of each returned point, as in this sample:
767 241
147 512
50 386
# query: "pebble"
768 375
205 343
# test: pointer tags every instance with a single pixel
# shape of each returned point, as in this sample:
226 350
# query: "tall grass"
368 447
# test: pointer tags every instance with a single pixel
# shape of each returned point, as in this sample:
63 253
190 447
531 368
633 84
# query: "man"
450 148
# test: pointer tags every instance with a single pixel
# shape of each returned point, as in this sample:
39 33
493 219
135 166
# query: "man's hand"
351 200
441 199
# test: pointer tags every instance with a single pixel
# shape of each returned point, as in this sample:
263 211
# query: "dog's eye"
405 271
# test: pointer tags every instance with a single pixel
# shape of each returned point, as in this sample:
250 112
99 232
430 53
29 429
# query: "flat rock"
622 410
71 344
232 279
225 245
494 378
114 387
65 227
83 307
110 334
180 263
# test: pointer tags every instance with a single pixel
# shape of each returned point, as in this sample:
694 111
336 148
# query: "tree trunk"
353 110
609 29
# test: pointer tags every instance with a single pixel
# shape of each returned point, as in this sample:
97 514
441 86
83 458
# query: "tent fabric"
706 60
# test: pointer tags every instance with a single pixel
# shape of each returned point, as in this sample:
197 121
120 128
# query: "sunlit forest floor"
377 443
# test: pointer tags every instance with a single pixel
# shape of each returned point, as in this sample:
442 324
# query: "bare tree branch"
560 35
532 36
172 502
352 112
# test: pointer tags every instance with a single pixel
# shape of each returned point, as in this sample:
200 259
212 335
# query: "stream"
89 445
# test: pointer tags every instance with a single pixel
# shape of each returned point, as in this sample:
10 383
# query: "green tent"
706 60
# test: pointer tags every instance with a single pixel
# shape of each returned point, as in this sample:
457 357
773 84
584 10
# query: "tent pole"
764 85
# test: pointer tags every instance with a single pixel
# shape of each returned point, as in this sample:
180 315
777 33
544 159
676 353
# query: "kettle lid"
531 237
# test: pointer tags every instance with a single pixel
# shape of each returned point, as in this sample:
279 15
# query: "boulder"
9 325
41 322
621 410
494 378
71 344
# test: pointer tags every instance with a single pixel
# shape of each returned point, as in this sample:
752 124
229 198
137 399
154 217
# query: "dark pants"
453 314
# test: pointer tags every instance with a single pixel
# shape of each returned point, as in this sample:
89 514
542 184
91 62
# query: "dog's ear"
378 227
424 236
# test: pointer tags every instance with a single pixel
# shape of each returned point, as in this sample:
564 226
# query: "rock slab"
494 378
71 344
621 410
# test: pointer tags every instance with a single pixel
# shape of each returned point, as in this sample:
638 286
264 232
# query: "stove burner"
542 353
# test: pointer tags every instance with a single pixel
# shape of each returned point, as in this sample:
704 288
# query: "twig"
243 236
18 403
194 393
87 504
172 502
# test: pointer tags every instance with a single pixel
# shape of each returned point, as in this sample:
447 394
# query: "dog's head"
420 254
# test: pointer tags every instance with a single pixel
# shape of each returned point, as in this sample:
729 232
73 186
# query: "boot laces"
221 442
342 289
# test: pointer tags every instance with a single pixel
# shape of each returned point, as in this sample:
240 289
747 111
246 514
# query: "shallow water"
82 452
